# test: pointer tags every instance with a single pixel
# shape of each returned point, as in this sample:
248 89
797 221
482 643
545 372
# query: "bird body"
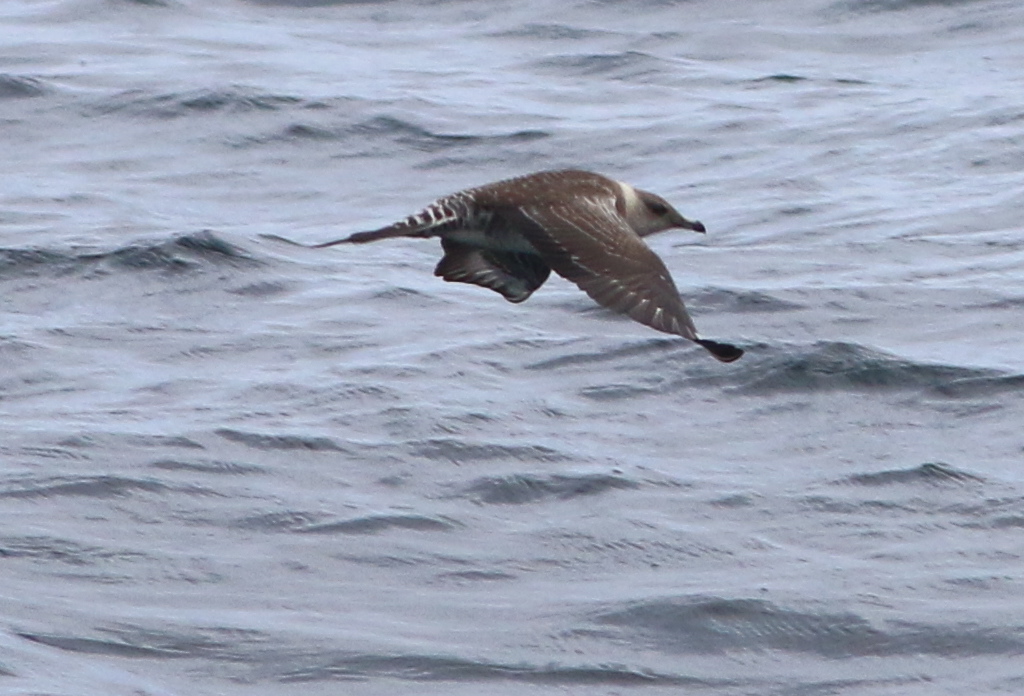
509 235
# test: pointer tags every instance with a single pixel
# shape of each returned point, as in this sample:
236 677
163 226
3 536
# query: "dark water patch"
434 668
12 348
229 644
347 394
46 548
630 5
835 366
21 87
789 79
1008 522
932 473
301 131
1012 303
260 289
317 3
420 138
16 262
456 451
288 521
877 6
989 513
909 4
405 560
549 32
711 625
281 442
476 575
616 392
97 486
645 348
399 293
404 133
518 489
32 383
721 300
578 550
981 386
48 452
208 467
176 105
187 252
627 65
132 440
321 523
374 524
835 506
737 500
781 77
93 646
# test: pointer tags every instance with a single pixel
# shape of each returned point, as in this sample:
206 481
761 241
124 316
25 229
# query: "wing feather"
589 244
512 274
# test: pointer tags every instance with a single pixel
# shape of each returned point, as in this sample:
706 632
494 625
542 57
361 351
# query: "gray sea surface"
233 466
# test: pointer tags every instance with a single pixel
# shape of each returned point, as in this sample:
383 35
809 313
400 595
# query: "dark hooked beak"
694 225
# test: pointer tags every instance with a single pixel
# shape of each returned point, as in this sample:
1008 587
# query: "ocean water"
233 466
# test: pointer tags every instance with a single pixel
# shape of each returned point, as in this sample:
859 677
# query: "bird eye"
658 209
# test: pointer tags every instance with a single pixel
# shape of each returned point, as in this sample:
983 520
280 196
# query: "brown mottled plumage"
509 235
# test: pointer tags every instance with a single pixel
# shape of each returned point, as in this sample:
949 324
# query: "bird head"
649 213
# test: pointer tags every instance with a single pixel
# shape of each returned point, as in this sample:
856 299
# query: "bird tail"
400 229
726 352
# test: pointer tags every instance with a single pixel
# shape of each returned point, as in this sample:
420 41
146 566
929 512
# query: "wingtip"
726 352
335 242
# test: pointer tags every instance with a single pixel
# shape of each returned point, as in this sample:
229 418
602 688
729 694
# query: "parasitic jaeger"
508 236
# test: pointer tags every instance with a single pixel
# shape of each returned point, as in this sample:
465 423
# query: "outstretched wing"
515 275
589 243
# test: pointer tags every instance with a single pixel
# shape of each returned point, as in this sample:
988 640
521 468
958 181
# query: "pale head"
648 213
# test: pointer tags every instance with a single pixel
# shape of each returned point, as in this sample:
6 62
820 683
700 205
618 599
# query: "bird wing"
588 243
514 275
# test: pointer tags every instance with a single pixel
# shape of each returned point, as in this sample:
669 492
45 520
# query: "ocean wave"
179 104
401 132
627 65
714 625
874 6
456 451
931 473
372 524
433 668
65 551
299 522
551 32
249 650
835 366
825 366
208 466
519 489
318 3
183 253
263 441
94 486
648 349
20 86
725 300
